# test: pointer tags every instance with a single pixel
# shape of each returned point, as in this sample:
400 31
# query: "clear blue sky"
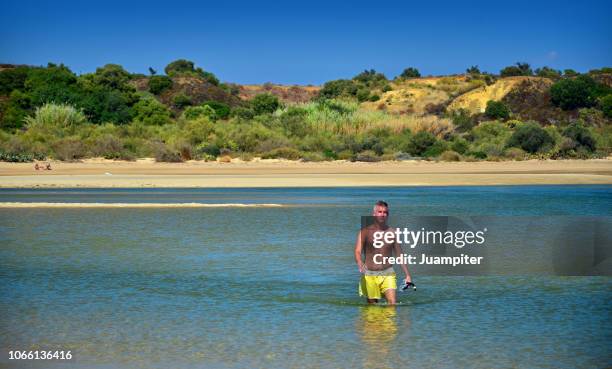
307 41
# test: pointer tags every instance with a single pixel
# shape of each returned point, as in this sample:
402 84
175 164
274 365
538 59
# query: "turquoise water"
276 287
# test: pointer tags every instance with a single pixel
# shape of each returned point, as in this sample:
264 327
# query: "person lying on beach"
46 166
377 279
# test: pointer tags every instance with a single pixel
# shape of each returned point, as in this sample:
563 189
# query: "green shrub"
181 100
283 153
265 103
548 73
13 79
410 73
492 150
367 156
370 78
497 110
532 138
51 84
112 76
202 111
450 155
346 155
182 67
14 111
55 115
337 88
570 73
606 105
363 95
462 119
16 158
314 156
293 121
581 136
514 153
592 117
103 105
573 93
477 154
243 113
492 131
436 149
222 111
421 142
520 69
460 145
110 147
164 154
374 98
159 84
151 112
69 149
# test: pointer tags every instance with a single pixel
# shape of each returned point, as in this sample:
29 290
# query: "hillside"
421 95
475 101
287 94
188 113
197 89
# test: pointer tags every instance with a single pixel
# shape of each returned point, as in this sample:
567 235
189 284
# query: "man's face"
380 213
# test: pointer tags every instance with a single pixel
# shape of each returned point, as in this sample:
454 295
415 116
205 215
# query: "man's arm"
358 251
398 251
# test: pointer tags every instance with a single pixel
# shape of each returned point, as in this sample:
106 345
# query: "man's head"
380 212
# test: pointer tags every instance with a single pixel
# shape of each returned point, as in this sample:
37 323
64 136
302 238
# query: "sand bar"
100 173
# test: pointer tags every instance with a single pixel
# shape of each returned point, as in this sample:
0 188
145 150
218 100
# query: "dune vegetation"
188 114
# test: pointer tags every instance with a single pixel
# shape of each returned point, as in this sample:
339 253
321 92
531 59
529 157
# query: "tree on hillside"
55 83
573 93
183 67
265 103
112 76
339 87
410 73
497 110
570 73
606 105
548 73
473 70
520 69
159 84
370 78
222 111
13 79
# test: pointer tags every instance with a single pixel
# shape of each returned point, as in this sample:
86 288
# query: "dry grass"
358 121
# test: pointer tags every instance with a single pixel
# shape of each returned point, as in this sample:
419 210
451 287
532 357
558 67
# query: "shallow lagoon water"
276 287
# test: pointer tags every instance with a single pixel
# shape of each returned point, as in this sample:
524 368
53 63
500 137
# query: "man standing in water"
378 279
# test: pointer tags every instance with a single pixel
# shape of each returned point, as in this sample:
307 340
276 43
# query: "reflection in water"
378 328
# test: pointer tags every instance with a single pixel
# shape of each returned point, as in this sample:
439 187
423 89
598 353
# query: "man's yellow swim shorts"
373 284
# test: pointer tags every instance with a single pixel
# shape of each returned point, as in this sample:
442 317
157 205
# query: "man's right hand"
362 268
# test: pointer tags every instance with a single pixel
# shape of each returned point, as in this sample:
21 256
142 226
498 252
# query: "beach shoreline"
102 173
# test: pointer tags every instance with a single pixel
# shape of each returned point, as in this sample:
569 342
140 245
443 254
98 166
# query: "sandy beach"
101 173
